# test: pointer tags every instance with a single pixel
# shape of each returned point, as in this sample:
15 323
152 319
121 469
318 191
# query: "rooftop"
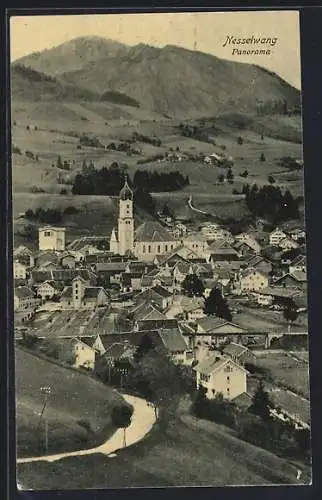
152 231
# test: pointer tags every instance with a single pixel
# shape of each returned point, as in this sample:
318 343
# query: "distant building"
24 298
287 243
51 238
85 355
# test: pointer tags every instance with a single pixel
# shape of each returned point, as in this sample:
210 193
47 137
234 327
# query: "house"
47 290
298 264
197 243
239 353
297 234
85 354
217 331
209 285
175 346
101 243
221 253
24 255
297 279
260 263
147 316
252 280
156 295
68 260
19 270
51 238
131 281
221 375
110 272
276 236
287 243
251 244
42 259
80 296
276 294
24 298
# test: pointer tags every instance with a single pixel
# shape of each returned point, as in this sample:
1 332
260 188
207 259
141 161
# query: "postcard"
159 250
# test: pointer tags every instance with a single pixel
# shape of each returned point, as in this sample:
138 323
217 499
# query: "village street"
142 421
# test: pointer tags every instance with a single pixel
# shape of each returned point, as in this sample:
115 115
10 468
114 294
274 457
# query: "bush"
30 155
240 140
63 191
70 210
16 150
262 157
36 189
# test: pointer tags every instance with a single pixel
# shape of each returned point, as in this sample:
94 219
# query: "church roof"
152 231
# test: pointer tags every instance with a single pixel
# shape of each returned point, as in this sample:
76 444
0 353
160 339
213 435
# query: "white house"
24 298
47 290
19 270
252 280
221 375
80 296
287 243
85 355
51 238
276 236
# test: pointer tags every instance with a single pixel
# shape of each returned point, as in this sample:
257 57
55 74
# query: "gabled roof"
212 363
172 339
92 292
147 311
300 259
22 250
234 350
100 242
152 231
279 291
210 323
251 270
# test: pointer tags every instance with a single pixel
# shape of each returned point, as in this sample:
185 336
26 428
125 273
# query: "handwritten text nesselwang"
256 45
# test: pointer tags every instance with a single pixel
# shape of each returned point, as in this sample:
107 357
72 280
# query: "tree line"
269 202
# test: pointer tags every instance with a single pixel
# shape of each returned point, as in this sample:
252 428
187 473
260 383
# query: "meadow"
78 410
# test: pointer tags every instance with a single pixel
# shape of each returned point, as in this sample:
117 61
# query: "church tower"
125 221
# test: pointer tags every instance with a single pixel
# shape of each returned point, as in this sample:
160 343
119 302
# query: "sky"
206 32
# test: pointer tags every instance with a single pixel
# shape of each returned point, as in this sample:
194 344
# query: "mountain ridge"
169 79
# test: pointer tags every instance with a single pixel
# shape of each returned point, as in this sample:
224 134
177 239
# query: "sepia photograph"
159 250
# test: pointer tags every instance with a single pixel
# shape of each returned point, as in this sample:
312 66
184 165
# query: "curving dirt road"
142 421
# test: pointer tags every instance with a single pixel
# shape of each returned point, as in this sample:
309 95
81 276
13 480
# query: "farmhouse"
85 355
221 375
252 280
281 295
47 290
239 353
287 243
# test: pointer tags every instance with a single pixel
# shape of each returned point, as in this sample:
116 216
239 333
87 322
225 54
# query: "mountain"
72 55
30 85
171 80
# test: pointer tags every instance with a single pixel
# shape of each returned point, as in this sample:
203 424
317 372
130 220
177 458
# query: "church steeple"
126 192
125 221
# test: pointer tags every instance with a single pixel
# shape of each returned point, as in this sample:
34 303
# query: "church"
148 241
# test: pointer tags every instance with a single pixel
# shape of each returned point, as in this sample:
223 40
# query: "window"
149 249
47 233
159 249
228 380
144 249
165 248
128 205
228 369
228 390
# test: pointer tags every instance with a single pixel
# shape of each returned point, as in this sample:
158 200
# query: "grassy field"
286 371
191 453
78 411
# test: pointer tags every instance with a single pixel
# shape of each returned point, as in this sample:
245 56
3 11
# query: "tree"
145 346
59 163
221 178
262 157
271 179
261 403
240 140
290 314
121 418
193 286
215 304
230 175
244 174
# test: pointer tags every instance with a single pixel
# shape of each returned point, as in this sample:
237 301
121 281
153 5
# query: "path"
142 421
195 209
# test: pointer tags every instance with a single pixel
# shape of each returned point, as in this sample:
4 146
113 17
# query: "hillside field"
78 411
192 453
